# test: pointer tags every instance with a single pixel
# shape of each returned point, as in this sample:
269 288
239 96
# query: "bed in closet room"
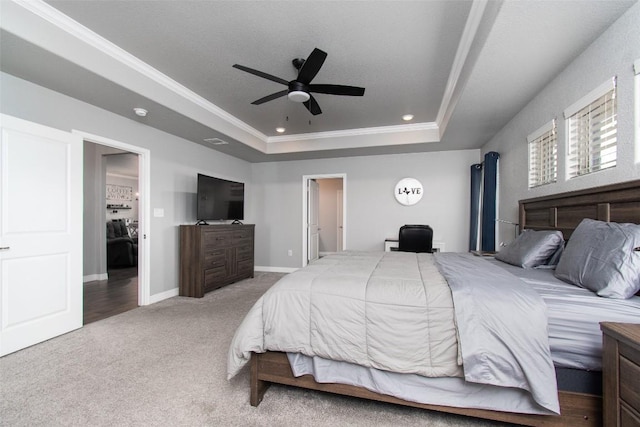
483 337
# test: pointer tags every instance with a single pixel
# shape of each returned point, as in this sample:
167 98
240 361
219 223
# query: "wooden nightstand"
621 374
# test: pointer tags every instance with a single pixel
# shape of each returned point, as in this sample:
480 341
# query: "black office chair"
415 238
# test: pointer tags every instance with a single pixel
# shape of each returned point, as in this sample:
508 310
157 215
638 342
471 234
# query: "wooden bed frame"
617 202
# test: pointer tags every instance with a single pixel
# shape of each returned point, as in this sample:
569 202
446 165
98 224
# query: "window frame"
636 108
536 140
570 112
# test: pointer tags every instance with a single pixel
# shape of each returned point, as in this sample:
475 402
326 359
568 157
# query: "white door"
313 236
40 233
339 240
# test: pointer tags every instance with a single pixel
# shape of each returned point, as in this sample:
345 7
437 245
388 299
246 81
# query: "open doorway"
118 292
324 214
116 210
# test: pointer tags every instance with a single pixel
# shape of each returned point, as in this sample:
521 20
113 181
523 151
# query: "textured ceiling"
400 52
405 53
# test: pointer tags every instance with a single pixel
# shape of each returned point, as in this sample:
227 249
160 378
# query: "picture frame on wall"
119 192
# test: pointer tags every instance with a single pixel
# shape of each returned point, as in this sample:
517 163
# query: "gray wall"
174 164
610 55
93 262
372 211
274 190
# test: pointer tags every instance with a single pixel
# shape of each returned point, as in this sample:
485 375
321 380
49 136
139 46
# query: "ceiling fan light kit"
298 96
300 89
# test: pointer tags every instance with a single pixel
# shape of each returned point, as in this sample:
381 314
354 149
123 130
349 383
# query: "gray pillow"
601 257
532 248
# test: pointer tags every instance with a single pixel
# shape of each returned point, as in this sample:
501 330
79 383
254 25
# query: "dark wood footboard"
273 367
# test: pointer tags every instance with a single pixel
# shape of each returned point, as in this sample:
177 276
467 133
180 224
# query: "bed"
619 203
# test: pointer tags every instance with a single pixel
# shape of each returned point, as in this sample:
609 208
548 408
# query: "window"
592 131
543 155
636 70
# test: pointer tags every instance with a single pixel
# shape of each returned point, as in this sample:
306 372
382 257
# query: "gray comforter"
502 327
394 311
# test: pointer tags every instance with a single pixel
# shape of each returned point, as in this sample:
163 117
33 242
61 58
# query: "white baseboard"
176 291
164 295
94 277
275 269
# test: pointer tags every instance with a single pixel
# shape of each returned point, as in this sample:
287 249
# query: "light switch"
158 212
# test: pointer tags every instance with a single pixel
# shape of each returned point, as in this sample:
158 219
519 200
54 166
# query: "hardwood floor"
106 298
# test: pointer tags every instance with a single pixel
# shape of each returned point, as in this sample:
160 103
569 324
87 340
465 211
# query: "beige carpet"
165 365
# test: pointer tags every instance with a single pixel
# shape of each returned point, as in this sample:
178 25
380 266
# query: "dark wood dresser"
621 374
212 256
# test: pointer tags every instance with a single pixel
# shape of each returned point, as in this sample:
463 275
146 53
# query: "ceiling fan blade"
261 74
337 90
270 97
312 106
311 66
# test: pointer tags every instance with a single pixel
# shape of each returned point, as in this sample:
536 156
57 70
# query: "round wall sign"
408 191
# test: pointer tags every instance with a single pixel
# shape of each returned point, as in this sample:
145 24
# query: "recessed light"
140 111
280 130
215 141
407 117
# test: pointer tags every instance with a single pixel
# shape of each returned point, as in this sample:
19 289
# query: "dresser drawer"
217 239
245 252
215 273
629 390
628 417
215 258
245 267
214 277
241 237
633 354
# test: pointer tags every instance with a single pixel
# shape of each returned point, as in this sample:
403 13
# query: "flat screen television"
219 199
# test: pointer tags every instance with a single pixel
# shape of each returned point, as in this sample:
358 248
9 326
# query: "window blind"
543 155
593 131
636 109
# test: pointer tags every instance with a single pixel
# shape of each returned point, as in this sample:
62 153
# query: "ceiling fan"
300 89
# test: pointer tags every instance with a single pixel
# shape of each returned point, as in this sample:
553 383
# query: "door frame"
339 214
144 188
313 220
305 179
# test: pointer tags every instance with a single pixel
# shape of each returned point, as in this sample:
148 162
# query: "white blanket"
391 311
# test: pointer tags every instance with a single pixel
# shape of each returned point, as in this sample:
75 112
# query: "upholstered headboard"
564 211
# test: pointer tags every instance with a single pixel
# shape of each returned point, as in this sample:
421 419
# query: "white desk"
392 245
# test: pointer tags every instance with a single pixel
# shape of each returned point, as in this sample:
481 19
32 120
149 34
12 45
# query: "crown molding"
92 39
79 31
354 132
462 53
